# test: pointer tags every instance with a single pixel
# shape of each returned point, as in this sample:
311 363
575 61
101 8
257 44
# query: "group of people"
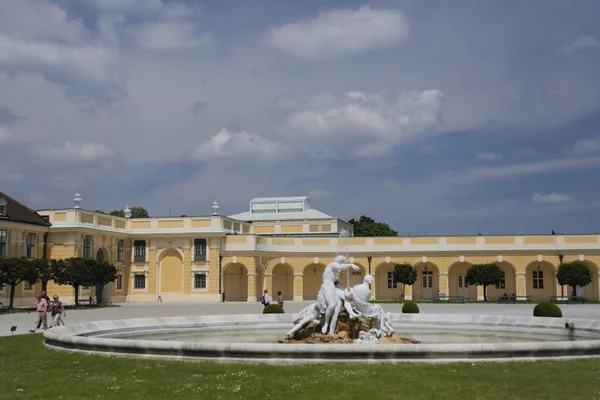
43 305
266 299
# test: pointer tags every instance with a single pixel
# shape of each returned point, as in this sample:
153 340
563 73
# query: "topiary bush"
273 309
547 309
410 308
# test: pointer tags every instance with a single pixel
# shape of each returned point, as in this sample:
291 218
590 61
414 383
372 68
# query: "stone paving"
25 321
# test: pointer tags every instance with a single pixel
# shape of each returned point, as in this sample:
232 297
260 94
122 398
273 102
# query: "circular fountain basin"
253 338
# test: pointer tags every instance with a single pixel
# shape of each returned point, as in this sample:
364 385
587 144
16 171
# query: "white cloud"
69 151
5 135
550 198
338 33
582 42
378 123
488 156
135 6
586 146
171 35
227 144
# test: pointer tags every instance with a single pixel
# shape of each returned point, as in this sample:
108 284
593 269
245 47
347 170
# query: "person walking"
58 311
280 299
265 300
41 307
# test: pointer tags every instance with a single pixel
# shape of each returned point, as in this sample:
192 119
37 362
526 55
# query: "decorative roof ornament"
127 211
215 208
77 200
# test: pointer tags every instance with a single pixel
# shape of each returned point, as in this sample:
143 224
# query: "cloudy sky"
437 117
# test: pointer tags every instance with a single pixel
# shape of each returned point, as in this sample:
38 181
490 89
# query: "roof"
272 199
18 212
274 216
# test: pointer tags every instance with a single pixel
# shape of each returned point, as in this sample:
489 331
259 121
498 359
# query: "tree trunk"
45 285
12 296
99 290
574 291
76 287
484 292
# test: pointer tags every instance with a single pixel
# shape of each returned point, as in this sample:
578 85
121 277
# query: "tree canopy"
136 212
405 274
574 274
484 275
366 226
13 271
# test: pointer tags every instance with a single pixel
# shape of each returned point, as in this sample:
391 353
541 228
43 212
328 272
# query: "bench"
513 299
450 299
567 299
89 301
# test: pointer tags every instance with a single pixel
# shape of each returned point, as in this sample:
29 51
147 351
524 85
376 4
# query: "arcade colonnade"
245 278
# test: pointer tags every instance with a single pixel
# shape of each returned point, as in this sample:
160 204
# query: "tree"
13 271
484 275
101 274
366 226
405 274
136 212
574 274
44 271
74 271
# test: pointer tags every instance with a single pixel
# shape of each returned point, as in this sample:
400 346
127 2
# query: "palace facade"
278 244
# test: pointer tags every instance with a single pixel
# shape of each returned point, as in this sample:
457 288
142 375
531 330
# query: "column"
298 288
374 291
251 288
521 279
408 292
443 284
269 285
480 296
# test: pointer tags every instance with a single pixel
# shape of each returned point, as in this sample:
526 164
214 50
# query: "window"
87 246
3 210
120 250
538 279
139 251
119 282
427 279
199 281
27 286
30 245
502 283
391 283
3 236
462 281
139 281
199 249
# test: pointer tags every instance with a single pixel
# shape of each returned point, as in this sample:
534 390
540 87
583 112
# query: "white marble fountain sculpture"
331 298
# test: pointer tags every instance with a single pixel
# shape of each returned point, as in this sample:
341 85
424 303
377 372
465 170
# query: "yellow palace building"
278 244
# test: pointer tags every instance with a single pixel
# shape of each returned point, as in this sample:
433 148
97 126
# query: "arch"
541 285
283 280
171 274
508 285
311 280
160 253
385 288
427 285
102 254
356 277
590 291
235 282
456 281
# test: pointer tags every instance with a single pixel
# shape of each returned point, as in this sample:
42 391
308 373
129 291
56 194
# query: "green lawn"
29 371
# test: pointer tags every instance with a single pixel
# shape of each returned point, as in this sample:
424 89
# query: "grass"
30 371
73 307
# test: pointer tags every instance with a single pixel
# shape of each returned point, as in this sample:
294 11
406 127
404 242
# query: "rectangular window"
199 249
87 246
3 237
120 250
538 279
391 283
502 283
139 251
30 245
139 281
119 282
199 281
28 286
460 281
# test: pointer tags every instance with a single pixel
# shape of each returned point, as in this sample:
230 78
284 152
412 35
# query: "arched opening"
427 285
103 256
100 255
457 284
312 280
507 286
235 282
385 288
590 291
283 280
356 277
541 280
171 275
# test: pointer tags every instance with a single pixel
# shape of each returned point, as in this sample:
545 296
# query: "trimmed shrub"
273 309
547 309
410 308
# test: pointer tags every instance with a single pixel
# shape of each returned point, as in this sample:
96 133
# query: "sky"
439 118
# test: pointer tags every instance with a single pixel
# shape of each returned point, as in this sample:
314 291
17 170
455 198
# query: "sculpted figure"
328 299
361 294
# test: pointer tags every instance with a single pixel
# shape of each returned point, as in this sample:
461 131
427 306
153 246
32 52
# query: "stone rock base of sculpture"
347 331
